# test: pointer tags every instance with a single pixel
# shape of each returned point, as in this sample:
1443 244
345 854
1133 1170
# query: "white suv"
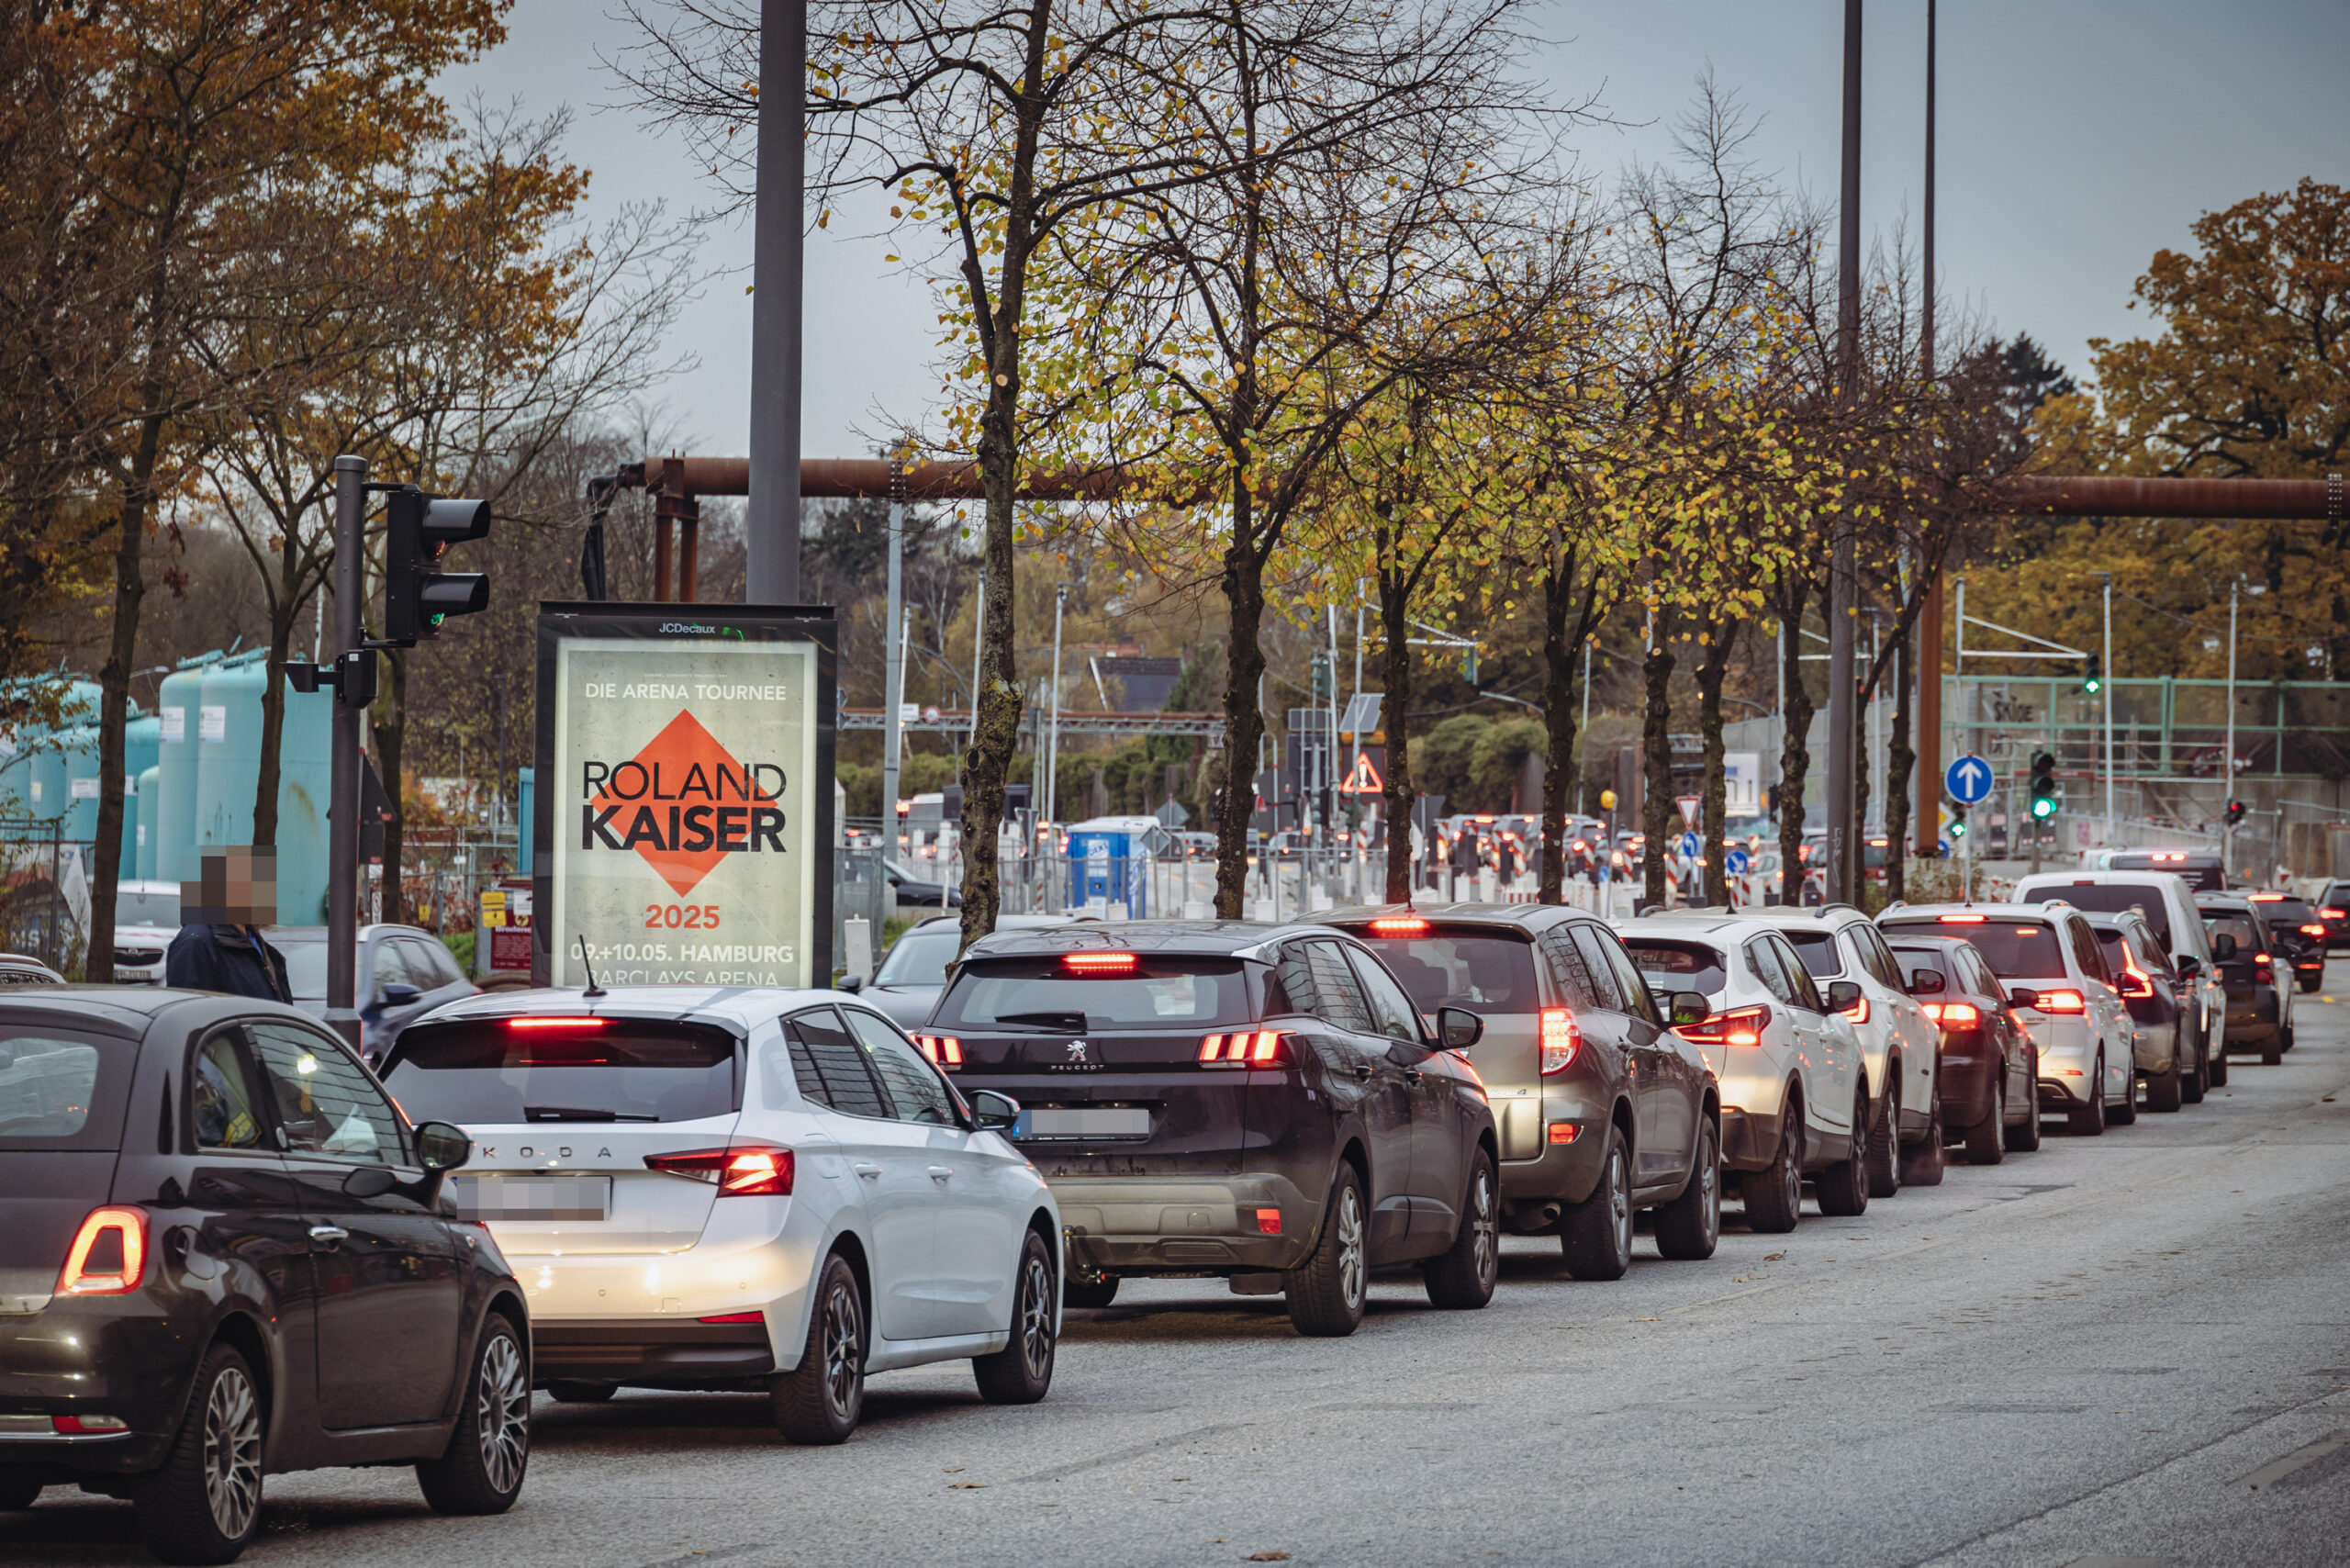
2063 993
2168 904
1900 1046
1788 1064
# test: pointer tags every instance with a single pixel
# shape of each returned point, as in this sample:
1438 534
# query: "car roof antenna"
593 989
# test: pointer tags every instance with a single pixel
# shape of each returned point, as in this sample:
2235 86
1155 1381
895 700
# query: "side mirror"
1684 1008
991 1111
1459 1028
2223 947
441 1146
1925 983
1843 995
2023 996
400 994
852 983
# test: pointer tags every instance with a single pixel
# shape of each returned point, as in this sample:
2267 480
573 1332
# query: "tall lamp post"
1841 829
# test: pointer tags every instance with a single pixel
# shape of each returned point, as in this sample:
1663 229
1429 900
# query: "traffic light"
2043 786
416 598
1322 693
1469 666
2235 812
1957 821
2093 678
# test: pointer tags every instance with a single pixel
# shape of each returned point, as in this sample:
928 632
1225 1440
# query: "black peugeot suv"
1221 1098
224 1253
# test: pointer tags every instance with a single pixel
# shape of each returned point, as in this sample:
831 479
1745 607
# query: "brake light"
1561 1037
1739 1026
2063 1001
84 1426
1099 963
945 1050
765 1172
2135 981
2312 930
96 1265
1858 1013
1954 1015
2267 898
2334 915
1262 1048
577 1026
1400 925
2260 971
1964 919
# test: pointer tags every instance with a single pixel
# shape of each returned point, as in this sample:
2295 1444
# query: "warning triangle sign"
1364 780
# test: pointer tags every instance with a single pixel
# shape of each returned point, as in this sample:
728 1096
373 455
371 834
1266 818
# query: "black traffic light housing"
2093 678
2235 812
418 529
1958 820
2043 786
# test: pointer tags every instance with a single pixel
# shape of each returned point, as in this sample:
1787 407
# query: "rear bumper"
2254 1017
1184 1225
1748 1142
648 1353
96 1356
1970 1080
1553 1172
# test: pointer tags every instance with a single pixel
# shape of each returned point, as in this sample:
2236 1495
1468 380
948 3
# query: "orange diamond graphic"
687 787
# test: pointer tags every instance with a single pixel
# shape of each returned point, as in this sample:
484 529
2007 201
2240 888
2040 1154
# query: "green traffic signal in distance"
2042 807
2043 786
2093 678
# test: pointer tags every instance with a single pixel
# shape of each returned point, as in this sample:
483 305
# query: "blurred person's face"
235 886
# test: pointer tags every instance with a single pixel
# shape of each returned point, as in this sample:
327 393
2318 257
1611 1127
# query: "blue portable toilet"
1109 864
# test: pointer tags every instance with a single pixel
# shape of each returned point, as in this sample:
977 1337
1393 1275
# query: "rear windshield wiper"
579 1113
1044 1020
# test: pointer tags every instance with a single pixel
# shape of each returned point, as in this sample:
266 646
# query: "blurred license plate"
535 1197
1086 1122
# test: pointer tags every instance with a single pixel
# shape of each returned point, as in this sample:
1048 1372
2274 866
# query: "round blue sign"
1689 846
1968 780
1735 862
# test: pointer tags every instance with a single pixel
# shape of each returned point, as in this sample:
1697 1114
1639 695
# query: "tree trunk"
1795 743
114 681
284 611
1395 718
1559 721
1900 764
389 721
996 735
1244 592
1714 791
1656 756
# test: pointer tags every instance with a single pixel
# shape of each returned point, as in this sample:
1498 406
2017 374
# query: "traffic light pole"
342 814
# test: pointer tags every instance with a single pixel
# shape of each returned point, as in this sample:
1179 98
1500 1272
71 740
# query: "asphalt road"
2122 1349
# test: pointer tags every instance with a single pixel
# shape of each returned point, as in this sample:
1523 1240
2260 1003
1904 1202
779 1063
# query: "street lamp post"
2227 829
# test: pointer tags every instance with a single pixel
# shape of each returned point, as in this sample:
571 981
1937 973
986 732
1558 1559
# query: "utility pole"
349 716
1929 629
2227 829
778 236
1053 762
893 661
2105 684
1841 883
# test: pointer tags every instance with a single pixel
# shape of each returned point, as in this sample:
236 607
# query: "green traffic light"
2044 808
2093 686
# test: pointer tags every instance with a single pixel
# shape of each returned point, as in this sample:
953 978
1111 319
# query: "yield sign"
1364 780
1688 804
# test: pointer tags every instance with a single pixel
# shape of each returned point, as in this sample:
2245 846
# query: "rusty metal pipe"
2061 496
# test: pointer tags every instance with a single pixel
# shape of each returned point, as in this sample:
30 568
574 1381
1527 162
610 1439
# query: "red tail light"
2334 915
944 1049
2312 930
569 1025
1561 1037
1739 1026
1954 1015
1858 1012
109 1256
1964 919
2260 971
2063 1001
1400 925
2135 981
1099 963
1263 1048
761 1171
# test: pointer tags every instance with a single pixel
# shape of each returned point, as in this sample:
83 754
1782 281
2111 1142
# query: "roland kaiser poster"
685 825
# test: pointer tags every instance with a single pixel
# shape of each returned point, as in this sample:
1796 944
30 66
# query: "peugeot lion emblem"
1077 1050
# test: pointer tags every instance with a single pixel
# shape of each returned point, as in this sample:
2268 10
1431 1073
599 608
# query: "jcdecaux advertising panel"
685 828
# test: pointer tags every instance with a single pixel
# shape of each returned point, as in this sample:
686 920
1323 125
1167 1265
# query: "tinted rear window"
921 958
2114 898
2202 873
1463 968
1940 959
2250 937
1818 951
61 1089
2013 950
1040 991
610 1069
1678 966
2284 911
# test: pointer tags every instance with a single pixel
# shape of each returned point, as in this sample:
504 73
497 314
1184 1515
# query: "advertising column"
684 825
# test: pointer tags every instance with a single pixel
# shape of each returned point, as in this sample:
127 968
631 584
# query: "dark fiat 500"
2258 978
1602 1109
1220 1098
224 1253
1990 1068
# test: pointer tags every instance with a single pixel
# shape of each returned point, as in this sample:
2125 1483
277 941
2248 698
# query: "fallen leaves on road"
1648 1320
966 1486
1773 1257
955 1469
1269 1557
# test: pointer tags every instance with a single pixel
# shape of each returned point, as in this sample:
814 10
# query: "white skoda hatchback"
706 1188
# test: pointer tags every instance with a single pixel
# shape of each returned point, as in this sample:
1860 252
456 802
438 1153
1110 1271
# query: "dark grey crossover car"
1262 1103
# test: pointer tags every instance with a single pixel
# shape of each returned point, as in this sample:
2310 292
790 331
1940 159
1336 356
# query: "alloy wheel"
232 1453
1351 1258
1709 1194
844 1335
1036 1317
1619 1202
502 1414
1484 1231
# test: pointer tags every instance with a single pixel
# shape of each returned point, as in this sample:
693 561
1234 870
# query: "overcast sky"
2077 137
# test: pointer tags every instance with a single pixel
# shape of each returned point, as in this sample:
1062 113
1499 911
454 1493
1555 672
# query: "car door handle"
940 1172
1362 1071
328 1233
869 1172
1411 1075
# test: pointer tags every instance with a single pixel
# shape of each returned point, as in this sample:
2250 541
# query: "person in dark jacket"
221 947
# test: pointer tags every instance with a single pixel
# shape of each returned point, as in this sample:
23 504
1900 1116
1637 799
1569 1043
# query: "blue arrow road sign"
1735 862
1968 780
1689 846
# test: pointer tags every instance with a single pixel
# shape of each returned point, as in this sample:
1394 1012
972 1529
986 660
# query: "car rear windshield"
1818 951
1048 991
564 1069
2250 938
2114 898
1678 966
2015 949
1462 968
921 956
2203 873
1937 959
2284 911
62 1089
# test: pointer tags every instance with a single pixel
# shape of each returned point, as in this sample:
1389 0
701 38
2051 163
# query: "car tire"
1986 1140
1464 1275
1022 1372
1773 1196
564 1390
1690 1226
2125 1114
20 1490
1843 1188
2219 1070
1091 1294
2024 1137
2310 982
203 1504
2285 1038
1883 1163
1327 1292
2193 1086
2272 1054
1596 1236
2088 1121
481 1470
1923 1163
817 1403
2167 1090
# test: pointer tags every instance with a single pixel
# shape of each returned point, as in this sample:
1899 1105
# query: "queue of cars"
236 1250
